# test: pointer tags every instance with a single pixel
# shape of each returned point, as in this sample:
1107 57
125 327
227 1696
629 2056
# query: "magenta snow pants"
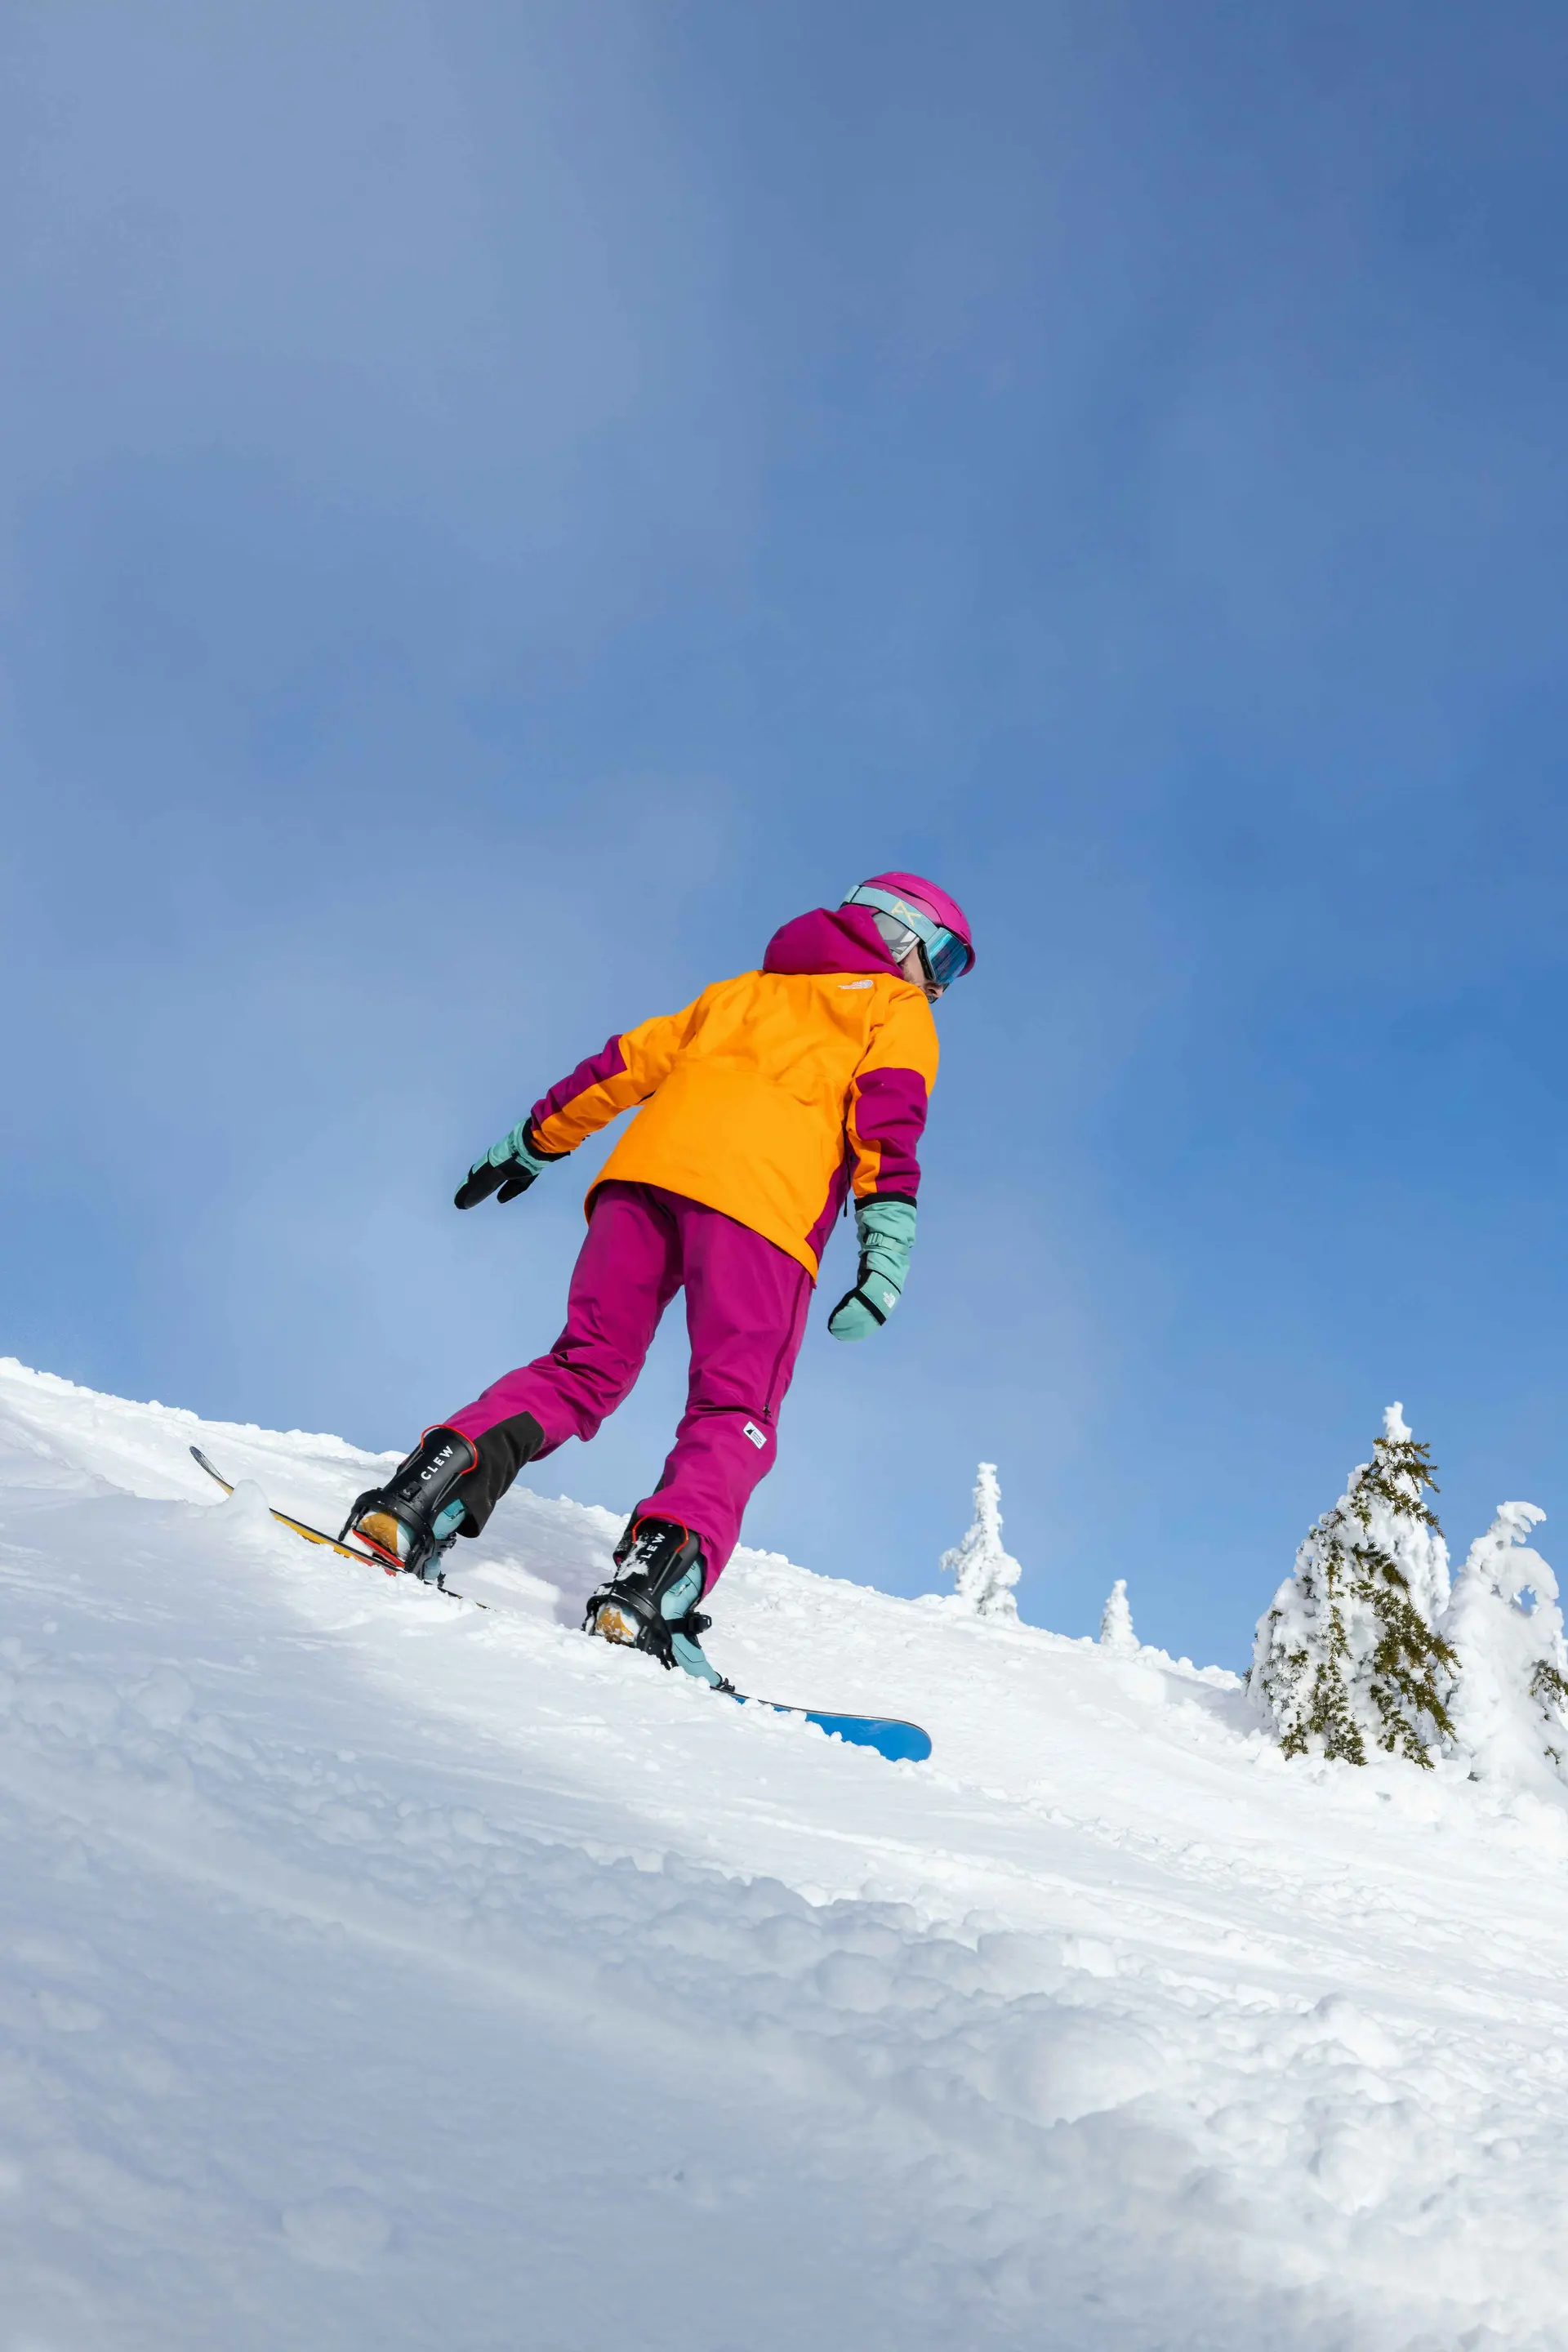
746 1301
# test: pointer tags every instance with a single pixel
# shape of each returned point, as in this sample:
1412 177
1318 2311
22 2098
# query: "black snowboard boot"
412 1522
448 1487
650 1602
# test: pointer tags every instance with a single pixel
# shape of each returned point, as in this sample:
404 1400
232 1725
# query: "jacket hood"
843 938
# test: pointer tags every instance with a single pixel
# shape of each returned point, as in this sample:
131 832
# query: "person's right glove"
886 1231
509 1166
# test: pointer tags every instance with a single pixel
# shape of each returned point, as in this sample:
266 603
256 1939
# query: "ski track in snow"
375 1971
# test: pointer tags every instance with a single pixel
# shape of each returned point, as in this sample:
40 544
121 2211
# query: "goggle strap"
926 928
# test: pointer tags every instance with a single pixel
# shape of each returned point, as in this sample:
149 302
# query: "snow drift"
376 1971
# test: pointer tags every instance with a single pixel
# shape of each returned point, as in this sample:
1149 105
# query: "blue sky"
500 508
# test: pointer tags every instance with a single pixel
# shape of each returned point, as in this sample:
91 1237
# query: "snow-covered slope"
378 1972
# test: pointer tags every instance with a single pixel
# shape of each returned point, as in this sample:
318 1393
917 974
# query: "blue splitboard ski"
900 1743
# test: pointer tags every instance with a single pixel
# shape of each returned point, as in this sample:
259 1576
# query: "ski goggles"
946 956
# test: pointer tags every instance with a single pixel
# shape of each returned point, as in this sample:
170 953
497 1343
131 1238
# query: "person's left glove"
885 1231
508 1167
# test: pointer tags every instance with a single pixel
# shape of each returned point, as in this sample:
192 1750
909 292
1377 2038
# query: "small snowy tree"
1350 1653
1116 1620
1509 1701
986 1572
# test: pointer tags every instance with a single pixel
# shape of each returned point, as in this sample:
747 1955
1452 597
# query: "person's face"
913 970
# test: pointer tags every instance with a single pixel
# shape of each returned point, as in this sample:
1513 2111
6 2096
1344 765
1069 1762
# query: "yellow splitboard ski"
333 1543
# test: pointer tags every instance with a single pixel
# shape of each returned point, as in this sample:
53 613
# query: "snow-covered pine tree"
1349 1656
1116 1620
1510 1700
985 1571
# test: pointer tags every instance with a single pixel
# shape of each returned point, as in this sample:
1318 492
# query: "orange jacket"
772 1092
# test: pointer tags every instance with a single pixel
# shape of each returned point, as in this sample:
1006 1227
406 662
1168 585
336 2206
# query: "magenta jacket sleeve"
888 1099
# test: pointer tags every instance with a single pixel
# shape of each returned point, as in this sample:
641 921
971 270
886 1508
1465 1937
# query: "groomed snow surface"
377 1971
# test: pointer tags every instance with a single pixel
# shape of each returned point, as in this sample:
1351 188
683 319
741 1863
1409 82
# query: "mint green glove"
886 1231
511 1165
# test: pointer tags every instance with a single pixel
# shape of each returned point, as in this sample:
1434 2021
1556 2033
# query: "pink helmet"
907 904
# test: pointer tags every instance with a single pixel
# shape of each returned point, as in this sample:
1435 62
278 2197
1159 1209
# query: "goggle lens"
946 957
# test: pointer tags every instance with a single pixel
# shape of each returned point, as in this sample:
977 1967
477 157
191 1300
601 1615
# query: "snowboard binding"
411 1522
650 1603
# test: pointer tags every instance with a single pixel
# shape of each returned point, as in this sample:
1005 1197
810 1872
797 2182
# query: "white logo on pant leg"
754 1434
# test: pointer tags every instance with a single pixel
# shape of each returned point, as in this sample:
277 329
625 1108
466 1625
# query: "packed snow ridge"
380 1971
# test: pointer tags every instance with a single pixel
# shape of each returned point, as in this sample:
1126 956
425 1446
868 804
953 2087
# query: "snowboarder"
763 1104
